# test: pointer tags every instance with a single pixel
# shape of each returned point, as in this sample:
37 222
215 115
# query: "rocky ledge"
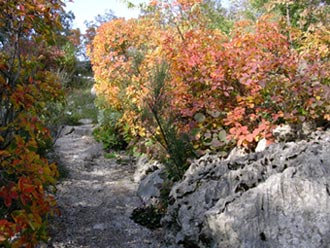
279 197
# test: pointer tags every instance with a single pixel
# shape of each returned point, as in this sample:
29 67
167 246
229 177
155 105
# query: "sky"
86 10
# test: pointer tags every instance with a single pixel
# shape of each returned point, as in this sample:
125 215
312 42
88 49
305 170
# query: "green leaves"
199 117
225 90
27 84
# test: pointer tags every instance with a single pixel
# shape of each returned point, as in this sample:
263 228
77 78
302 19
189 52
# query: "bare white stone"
279 197
261 146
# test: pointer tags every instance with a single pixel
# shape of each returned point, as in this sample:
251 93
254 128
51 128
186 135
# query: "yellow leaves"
315 42
324 50
124 53
4 154
28 86
248 101
249 78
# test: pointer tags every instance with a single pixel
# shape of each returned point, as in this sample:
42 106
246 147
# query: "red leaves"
235 116
9 193
24 191
26 188
3 67
27 85
255 78
244 137
7 230
31 205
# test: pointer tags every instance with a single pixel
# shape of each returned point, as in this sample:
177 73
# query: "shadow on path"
96 199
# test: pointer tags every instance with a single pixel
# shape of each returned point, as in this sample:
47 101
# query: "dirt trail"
97 197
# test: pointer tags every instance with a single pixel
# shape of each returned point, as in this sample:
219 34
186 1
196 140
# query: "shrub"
161 125
27 84
221 90
109 132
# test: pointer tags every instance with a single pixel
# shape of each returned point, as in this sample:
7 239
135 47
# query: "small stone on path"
97 198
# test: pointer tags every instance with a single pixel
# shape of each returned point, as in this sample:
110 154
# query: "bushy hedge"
27 84
220 90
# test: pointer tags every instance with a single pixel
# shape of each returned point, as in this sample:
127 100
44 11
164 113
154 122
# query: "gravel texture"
97 197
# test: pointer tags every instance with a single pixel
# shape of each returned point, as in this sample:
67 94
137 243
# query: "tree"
224 89
68 43
28 58
300 13
92 26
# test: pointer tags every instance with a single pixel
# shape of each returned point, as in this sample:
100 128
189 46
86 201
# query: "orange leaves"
34 205
245 137
7 230
195 71
27 85
31 13
23 191
187 4
235 116
26 188
153 3
29 199
123 56
255 78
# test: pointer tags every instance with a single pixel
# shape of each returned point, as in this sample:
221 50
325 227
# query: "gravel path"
97 197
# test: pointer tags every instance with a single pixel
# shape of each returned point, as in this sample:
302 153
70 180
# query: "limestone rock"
83 130
85 121
261 146
285 133
279 197
307 128
236 152
93 91
143 167
149 187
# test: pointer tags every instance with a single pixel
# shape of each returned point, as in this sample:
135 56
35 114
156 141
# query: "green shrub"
161 125
109 132
148 216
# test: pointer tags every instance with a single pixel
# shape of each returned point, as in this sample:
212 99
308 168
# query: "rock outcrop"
150 187
149 176
145 167
279 197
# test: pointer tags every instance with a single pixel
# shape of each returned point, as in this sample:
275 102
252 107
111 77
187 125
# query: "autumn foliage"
28 57
224 90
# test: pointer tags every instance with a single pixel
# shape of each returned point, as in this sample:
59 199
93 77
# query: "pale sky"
88 9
